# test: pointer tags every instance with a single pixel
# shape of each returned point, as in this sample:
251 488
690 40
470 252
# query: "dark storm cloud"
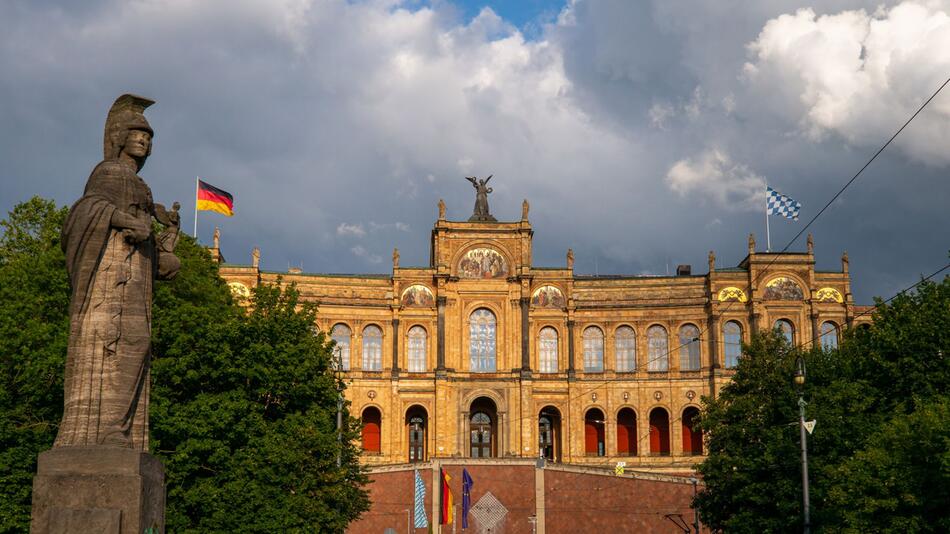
338 125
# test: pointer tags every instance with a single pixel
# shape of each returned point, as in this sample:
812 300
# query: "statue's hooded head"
126 114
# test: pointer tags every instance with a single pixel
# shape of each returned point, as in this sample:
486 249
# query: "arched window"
341 334
481 342
689 347
594 433
416 419
732 342
625 345
787 330
659 432
372 348
829 335
593 350
659 351
372 423
547 350
626 432
417 341
692 439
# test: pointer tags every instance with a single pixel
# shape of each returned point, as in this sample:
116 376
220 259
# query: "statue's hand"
137 231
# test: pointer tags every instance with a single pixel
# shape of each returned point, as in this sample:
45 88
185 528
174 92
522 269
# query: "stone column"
815 328
570 351
525 335
440 351
502 435
98 489
395 348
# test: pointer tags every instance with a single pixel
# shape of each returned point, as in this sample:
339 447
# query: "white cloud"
361 252
860 75
713 176
355 230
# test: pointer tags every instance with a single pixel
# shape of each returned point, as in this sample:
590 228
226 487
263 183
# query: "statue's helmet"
126 114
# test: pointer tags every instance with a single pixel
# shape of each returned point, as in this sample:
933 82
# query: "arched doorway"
626 432
594 444
483 428
659 432
372 424
549 433
692 439
416 427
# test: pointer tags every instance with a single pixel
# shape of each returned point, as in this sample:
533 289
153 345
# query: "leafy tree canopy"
879 458
243 400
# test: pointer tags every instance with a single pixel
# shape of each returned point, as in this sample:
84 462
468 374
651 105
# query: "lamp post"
338 361
800 383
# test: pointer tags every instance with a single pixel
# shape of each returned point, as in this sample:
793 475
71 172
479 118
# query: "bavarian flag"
210 198
448 508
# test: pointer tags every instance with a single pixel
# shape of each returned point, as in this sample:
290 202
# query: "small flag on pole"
448 508
779 204
421 521
210 198
467 484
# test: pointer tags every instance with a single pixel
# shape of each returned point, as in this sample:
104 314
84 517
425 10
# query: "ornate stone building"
484 354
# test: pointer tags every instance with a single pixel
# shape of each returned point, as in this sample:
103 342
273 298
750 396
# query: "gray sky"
641 132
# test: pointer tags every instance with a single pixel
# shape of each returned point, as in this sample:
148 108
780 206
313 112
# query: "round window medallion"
371 394
657 395
690 394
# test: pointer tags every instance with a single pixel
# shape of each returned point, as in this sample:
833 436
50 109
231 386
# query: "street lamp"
799 378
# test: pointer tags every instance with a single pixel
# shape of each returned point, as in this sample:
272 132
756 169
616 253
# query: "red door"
371 437
590 438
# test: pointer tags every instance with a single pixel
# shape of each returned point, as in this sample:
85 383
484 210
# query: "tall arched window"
417 341
416 419
372 423
659 351
732 343
341 334
625 346
481 341
692 438
689 347
659 432
372 348
547 350
787 330
829 335
593 350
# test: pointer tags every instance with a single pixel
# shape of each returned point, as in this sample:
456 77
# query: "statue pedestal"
109 490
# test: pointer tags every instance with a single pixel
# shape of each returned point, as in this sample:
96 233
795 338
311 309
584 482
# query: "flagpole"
768 234
195 233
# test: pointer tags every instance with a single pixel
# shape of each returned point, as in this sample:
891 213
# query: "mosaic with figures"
482 263
417 295
548 297
783 288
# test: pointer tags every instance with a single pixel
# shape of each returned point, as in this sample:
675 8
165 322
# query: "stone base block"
98 489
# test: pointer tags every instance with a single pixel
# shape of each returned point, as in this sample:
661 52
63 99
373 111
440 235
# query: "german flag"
448 507
210 198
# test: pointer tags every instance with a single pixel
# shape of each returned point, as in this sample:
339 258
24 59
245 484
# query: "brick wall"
568 499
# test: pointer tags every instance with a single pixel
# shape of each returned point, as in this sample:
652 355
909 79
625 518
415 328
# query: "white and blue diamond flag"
421 521
778 204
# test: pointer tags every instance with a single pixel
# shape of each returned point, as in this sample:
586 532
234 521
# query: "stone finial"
395 258
845 262
751 243
441 210
256 257
570 258
217 237
712 261
811 245
524 209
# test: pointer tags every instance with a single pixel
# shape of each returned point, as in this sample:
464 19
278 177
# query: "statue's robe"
107 366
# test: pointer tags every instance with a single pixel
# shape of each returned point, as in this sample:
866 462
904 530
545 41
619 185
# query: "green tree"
34 329
878 457
243 399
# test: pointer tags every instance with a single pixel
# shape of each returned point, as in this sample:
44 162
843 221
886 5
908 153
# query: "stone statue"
395 258
482 190
811 244
113 258
712 261
524 209
217 237
441 210
751 243
256 257
570 258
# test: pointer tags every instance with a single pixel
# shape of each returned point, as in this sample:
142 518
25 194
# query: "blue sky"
521 13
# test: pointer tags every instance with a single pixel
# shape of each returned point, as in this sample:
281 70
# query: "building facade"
483 354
